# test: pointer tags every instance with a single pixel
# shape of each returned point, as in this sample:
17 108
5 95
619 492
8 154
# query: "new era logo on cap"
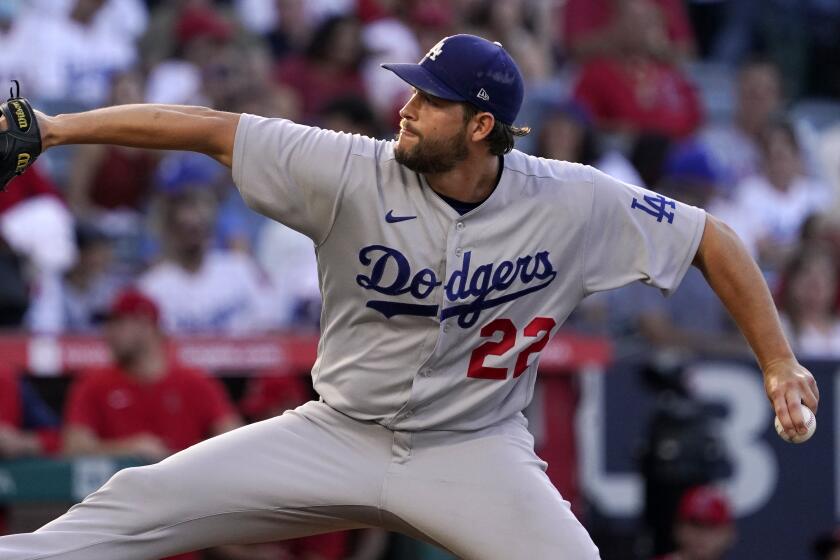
471 69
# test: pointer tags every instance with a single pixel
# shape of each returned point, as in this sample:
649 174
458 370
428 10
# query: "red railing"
51 356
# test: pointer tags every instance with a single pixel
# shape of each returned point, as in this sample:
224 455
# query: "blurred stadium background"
731 105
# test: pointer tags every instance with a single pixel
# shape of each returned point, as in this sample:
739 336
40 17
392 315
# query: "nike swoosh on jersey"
391 219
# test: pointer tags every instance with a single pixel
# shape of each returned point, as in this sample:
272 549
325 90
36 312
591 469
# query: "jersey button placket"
458 252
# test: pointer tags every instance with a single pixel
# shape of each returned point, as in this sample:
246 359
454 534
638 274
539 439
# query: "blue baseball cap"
690 161
471 69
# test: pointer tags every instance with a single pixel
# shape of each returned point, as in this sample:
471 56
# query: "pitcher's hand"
788 385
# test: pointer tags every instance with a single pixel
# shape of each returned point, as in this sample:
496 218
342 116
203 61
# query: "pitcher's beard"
433 156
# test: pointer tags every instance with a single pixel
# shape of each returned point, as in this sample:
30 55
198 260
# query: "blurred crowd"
731 105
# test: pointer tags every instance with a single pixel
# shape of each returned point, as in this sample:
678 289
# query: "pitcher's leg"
487 498
282 478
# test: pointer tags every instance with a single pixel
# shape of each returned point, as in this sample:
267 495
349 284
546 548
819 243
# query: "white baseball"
810 423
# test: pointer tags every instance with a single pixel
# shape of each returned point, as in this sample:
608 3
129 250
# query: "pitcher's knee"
143 492
133 481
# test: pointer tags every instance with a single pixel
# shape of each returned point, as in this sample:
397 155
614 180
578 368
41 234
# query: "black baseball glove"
20 143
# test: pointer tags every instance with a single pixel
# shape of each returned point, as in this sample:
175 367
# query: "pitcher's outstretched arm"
153 126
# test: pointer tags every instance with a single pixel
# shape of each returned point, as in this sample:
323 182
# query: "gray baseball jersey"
432 326
433 320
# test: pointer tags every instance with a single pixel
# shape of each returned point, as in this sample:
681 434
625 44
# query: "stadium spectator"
37 226
89 286
234 75
709 19
144 405
115 180
261 94
80 43
199 289
431 20
352 115
822 228
273 393
35 221
632 91
28 427
823 77
285 25
31 258
691 321
566 132
524 28
689 174
592 28
330 67
387 37
808 303
184 172
789 32
704 529
768 209
288 257
18 23
734 144
89 40
127 19
14 290
828 154
201 34
648 153
235 226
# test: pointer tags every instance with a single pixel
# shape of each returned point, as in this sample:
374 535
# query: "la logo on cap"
483 95
435 51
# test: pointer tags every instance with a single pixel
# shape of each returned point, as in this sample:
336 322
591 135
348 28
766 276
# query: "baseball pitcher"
447 260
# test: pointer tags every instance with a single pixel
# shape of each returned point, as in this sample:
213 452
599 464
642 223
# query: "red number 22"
538 326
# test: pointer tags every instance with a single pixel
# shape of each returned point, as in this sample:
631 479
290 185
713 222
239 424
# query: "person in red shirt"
592 28
273 393
109 178
143 405
634 91
704 529
28 427
329 69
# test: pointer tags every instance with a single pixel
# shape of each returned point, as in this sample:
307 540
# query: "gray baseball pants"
481 495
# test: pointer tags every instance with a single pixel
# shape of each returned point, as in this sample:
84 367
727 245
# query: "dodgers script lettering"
469 289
